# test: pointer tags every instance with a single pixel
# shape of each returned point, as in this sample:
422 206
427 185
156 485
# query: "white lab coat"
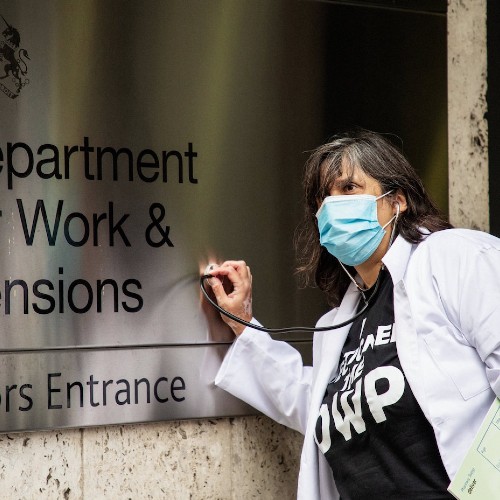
447 326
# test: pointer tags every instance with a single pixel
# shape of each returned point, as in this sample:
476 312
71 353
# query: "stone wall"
467 125
244 458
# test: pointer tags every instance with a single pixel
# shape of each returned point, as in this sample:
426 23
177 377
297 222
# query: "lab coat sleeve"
469 283
270 376
480 311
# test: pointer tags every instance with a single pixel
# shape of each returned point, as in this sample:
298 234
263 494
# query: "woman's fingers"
237 297
218 289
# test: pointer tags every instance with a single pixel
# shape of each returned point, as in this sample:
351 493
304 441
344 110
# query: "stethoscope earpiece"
398 209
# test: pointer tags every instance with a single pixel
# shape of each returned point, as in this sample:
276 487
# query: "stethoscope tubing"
291 329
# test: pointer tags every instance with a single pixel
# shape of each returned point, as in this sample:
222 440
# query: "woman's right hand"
235 296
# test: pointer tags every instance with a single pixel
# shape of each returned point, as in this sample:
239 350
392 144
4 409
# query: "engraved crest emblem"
13 61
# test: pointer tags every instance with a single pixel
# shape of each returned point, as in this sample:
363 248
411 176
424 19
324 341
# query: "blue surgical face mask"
349 228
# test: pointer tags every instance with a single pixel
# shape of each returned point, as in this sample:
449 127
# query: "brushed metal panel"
146 139
132 155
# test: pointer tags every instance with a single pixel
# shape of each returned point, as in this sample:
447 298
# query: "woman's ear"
399 199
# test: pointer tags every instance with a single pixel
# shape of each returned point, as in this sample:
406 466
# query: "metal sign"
61 389
140 141
133 139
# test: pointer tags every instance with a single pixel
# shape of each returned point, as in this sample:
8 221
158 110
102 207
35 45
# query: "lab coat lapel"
332 344
397 260
407 345
331 348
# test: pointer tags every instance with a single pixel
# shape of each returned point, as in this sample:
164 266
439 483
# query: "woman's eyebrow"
341 182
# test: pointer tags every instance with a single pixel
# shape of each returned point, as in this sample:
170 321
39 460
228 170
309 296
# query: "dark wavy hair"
378 158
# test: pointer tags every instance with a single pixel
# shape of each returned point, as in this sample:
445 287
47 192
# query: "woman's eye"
350 187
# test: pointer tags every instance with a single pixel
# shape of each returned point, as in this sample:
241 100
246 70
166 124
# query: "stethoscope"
368 300
367 303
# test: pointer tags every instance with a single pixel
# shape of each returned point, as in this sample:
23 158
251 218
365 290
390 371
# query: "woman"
392 401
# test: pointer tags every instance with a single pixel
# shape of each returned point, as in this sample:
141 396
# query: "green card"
479 474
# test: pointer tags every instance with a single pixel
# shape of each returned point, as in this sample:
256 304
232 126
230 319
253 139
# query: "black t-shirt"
371 429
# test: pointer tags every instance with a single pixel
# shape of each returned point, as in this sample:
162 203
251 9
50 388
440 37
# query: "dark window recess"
493 115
